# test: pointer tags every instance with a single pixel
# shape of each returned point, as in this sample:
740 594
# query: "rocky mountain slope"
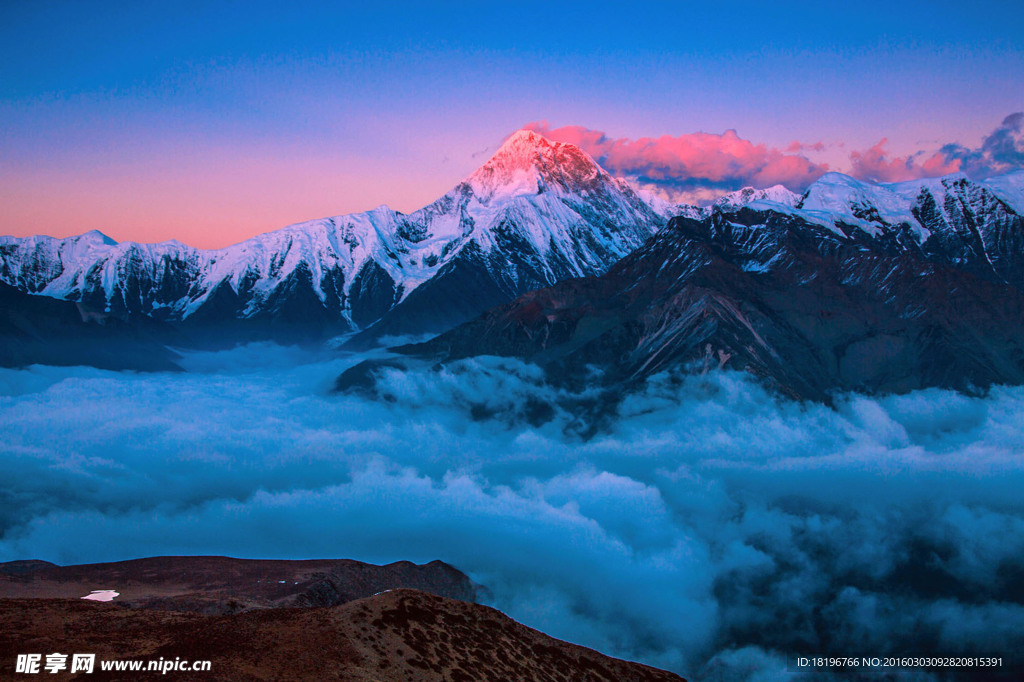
855 286
401 635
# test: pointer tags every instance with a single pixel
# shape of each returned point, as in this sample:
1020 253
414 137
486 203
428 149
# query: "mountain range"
217 585
541 254
850 286
536 213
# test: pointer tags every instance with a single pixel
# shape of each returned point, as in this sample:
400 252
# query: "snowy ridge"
923 208
836 200
550 202
972 226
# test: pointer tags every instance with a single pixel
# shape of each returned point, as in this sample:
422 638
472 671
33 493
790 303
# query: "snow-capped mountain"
776 194
537 212
853 286
972 225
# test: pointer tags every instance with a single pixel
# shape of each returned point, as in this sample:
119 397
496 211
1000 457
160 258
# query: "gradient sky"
212 122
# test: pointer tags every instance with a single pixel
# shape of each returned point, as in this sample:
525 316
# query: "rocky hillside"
401 636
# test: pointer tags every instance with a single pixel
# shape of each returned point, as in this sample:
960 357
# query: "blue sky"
214 121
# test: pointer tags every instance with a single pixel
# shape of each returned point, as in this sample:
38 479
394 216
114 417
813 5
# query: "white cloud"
711 528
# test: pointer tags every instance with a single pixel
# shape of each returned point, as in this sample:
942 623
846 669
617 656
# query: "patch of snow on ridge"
102 595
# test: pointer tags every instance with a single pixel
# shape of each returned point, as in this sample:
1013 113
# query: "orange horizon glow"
209 205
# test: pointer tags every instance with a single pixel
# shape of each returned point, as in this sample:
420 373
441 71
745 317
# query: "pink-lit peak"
522 151
527 158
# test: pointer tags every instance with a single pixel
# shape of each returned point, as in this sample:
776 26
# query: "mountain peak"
522 150
776 194
524 139
529 163
841 179
95 236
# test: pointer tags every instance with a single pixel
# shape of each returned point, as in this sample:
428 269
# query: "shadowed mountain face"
48 331
811 308
401 635
222 585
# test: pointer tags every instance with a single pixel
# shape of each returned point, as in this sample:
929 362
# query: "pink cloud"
875 164
685 162
696 166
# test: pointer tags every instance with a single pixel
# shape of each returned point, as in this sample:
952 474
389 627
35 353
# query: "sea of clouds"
710 528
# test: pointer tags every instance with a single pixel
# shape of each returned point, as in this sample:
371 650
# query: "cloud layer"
712 529
700 166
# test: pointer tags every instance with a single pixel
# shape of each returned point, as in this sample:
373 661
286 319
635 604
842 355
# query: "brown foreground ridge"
400 635
216 585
